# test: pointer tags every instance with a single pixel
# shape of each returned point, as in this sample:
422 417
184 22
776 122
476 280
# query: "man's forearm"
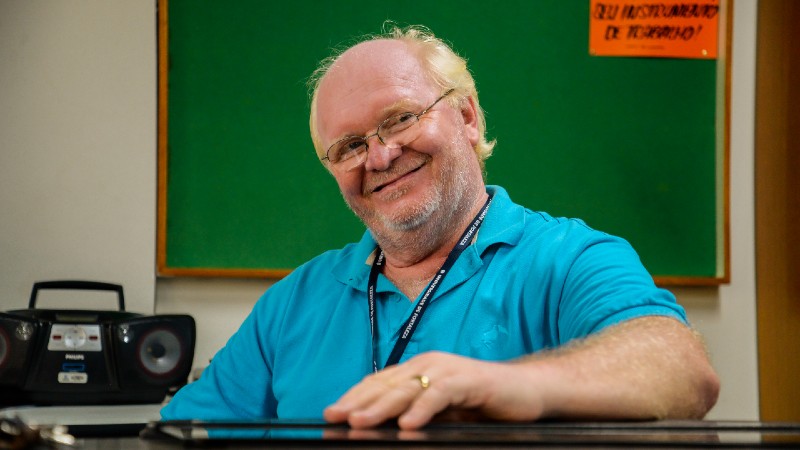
646 368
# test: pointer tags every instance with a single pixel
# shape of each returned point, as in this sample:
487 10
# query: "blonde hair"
444 67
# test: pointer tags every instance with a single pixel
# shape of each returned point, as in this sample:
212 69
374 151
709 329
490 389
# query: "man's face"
397 189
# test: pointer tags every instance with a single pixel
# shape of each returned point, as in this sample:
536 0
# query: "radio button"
71 337
75 338
73 378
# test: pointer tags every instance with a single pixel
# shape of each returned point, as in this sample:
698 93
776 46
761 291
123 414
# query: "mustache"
375 181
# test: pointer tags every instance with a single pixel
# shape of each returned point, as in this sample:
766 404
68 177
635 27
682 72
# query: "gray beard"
429 223
414 220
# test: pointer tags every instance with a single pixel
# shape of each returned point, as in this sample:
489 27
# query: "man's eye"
405 117
354 144
399 123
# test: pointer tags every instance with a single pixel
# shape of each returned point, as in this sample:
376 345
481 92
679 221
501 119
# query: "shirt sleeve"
605 283
237 383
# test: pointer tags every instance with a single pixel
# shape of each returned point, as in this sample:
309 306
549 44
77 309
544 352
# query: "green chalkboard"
630 145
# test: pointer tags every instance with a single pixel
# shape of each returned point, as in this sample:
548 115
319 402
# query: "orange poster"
669 29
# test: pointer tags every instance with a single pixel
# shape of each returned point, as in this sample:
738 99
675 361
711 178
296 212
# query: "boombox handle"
77 285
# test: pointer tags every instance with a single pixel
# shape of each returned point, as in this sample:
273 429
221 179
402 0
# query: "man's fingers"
425 406
393 403
398 392
371 388
413 392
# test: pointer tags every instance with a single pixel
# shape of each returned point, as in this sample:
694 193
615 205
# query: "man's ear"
470 116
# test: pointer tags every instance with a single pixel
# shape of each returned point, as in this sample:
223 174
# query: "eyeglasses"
396 131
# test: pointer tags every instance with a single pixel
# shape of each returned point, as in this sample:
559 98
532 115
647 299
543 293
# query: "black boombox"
78 357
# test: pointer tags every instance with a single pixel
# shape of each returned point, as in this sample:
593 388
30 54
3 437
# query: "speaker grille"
160 351
155 351
16 338
5 348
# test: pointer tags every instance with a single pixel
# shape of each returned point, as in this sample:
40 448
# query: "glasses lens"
352 163
347 149
400 129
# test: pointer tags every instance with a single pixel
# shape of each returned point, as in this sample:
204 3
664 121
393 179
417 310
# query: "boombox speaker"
75 357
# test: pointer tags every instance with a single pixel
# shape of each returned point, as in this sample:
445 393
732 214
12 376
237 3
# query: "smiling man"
456 302
415 188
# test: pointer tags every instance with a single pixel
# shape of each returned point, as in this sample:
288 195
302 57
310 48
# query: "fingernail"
333 413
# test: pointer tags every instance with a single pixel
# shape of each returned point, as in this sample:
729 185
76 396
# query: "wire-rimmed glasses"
396 131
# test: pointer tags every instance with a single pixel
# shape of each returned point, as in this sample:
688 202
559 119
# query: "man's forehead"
382 74
376 50
373 63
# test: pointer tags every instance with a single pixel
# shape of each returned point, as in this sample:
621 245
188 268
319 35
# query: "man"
456 300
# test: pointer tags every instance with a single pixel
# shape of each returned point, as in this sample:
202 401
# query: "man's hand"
425 385
646 368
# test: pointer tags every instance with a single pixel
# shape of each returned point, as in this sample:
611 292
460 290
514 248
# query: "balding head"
436 61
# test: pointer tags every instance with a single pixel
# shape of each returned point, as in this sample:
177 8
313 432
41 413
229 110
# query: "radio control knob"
75 337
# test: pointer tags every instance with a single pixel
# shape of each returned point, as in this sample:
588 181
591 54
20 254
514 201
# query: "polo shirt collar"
504 224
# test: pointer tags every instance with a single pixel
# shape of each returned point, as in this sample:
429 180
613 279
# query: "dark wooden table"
661 434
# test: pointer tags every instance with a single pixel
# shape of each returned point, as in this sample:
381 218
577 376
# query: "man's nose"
380 155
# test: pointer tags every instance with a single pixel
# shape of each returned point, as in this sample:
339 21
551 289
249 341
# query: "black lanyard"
411 323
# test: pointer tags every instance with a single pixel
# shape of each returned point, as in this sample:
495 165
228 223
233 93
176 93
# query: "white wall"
77 179
77 149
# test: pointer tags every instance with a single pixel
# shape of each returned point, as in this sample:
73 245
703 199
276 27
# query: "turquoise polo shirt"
529 282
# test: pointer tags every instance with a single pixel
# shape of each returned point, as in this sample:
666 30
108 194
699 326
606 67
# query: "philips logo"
74 356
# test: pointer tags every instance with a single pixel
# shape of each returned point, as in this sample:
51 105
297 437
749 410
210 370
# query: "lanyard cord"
412 322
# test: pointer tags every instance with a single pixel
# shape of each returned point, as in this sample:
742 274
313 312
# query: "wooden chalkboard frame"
722 276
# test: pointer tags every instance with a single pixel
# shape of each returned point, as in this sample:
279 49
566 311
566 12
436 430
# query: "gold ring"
423 380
